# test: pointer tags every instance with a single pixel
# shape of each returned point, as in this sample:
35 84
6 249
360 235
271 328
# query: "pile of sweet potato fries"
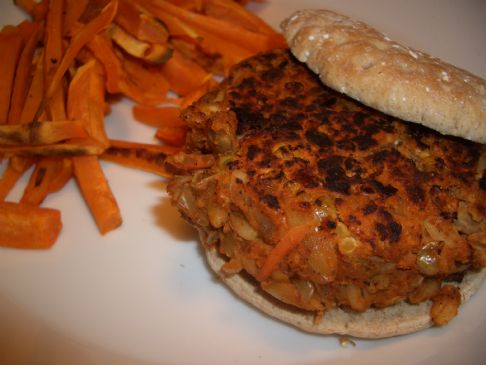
58 71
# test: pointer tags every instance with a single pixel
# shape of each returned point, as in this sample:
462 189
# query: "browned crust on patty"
352 57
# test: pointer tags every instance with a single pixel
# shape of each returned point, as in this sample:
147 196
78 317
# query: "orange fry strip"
103 51
10 45
77 147
230 52
16 167
197 93
26 226
53 53
253 41
97 193
64 173
140 24
238 14
146 157
177 26
37 10
183 74
158 116
143 83
86 100
22 74
41 133
155 53
146 84
173 136
78 41
74 10
54 34
35 93
50 175
210 43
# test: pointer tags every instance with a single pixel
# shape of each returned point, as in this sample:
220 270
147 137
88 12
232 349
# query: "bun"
351 57
396 320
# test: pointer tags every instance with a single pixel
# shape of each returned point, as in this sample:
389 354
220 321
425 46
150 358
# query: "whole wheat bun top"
351 57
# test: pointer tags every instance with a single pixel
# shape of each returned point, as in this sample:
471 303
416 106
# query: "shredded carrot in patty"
283 247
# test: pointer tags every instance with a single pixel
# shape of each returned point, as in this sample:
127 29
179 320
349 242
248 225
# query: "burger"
340 185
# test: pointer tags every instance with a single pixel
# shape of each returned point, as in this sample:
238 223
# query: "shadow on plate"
168 218
25 340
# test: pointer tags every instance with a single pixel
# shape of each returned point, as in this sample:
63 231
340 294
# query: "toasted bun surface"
355 59
396 320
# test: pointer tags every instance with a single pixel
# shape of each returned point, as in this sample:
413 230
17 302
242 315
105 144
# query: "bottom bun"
396 320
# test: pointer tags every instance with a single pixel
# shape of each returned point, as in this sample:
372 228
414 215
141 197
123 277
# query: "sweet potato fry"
183 75
158 116
197 93
177 26
35 94
36 9
231 53
146 157
103 51
139 24
146 84
78 41
97 193
192 5
41 133
255 42
50 175
78 147
53 53
26 226
173 136
22 74
16 167
53 34
209 43
72 13
86 100
156 53
10 46
193 50
239 15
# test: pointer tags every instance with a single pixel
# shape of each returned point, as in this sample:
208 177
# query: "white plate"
142 294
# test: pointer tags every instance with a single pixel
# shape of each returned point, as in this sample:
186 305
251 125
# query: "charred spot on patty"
247 119
334 175
482 181
369 208
364 142
317 138
389 231
271 201
252 152
383 190
415 193
306 178
290 102
294 86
